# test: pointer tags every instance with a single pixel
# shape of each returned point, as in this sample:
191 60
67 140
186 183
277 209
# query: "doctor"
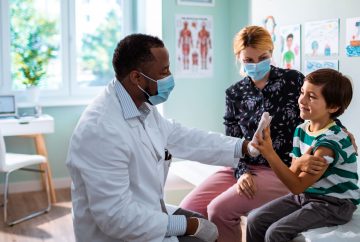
121 149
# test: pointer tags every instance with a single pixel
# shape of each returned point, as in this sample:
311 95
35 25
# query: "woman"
230 194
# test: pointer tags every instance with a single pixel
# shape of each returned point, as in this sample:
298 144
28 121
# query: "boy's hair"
336 88
132 52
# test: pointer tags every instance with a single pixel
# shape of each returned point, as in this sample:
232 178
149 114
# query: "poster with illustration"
353 37
290 47
322 38
194 46
312 65
270 24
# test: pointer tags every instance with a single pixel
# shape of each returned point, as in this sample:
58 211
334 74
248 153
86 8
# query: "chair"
10 162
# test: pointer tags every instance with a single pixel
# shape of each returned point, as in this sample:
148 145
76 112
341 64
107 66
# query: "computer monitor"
8 106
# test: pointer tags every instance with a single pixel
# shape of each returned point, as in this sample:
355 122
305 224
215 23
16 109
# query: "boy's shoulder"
336 139
335 133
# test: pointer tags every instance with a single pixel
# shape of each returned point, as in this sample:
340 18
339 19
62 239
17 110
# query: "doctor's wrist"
176 225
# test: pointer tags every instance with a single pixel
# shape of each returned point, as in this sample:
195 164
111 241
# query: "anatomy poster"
312 65
194 46
353 37
290 47
322 38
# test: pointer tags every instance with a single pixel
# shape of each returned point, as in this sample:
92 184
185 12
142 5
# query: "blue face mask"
164 88
257 71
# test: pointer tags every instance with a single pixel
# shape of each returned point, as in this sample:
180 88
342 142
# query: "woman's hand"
352 138
246 185
309 163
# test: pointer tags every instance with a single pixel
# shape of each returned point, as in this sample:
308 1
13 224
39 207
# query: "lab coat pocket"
167 164
163 170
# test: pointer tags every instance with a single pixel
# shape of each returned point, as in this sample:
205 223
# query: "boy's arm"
308 163
296 183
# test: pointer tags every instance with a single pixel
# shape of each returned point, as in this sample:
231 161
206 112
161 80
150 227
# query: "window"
35 43
96 36
68 44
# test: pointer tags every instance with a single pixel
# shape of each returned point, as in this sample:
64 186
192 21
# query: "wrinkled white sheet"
349 232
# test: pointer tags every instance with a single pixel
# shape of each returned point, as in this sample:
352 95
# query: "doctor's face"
156 69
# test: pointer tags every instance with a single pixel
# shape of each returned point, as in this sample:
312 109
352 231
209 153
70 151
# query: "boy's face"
312 104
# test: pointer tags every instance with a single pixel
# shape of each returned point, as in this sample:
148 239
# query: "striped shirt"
341 178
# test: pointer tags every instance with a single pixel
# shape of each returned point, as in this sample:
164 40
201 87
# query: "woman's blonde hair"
253 36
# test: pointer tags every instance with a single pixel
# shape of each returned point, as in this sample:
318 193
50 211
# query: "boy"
328 198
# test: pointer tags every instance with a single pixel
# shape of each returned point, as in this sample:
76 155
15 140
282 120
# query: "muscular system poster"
194 46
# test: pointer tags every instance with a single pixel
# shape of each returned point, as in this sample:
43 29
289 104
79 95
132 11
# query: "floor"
54 226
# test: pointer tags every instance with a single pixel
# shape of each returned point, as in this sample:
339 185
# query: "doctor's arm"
194 144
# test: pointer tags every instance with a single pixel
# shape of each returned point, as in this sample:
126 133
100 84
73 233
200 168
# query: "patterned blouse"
245 104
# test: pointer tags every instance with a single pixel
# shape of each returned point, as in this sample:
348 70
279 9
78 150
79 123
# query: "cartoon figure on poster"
194 46
322 38
353 37
313 65
290 41
270 25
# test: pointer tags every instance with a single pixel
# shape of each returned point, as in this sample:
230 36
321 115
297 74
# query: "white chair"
10 162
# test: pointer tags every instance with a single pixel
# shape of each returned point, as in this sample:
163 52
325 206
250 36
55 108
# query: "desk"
32 127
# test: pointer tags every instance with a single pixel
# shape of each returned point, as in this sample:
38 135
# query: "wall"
300 12
200 102
239 17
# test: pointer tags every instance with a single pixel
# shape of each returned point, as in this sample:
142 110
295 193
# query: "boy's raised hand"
264 122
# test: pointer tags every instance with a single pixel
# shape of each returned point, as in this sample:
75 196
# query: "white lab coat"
118 180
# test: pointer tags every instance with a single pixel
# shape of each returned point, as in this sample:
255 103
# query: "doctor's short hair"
132 52
336 88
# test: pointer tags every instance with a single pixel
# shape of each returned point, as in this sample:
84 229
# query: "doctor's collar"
128 106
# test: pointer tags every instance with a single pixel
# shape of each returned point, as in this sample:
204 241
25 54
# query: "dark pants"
284 218
187 214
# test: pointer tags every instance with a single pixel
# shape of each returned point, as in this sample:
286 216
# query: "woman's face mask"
257 71
164 88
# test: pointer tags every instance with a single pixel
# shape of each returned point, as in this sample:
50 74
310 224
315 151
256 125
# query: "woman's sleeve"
232 127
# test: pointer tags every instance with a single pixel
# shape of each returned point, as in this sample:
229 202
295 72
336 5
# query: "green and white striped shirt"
341 178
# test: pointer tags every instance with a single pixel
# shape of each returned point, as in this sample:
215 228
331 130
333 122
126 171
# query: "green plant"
31 42
98 48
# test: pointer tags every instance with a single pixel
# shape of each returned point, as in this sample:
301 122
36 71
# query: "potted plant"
32 46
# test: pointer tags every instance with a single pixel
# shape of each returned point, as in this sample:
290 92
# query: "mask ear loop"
142 89
147 76
147 94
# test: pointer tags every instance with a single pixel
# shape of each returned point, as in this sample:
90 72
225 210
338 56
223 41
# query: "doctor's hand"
202 229
246 185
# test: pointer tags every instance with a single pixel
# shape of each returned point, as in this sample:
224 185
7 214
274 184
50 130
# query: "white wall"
288 12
